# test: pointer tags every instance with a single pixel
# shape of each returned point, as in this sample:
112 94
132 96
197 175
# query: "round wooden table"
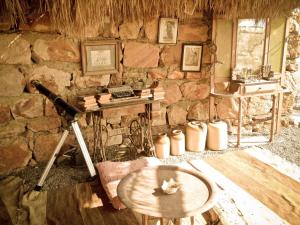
141 192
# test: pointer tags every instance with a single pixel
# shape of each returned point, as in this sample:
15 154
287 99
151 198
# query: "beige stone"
12 129
92 81
130 30
5 25
151 29
199 111
38 23
194 75
116 78
227 108
259 105
111 30
115 140
58 49
45 145
141 55
176 115
44 124
29 106
194 91
172 93
53 79
159 117
14 155
12 82
114 120
4 113
206 56
176 75
50 109
14 49
171 55
157 74
192 32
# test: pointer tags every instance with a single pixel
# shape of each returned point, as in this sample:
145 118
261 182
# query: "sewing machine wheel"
136 134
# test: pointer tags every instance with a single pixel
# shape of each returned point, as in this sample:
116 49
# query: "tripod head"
65 110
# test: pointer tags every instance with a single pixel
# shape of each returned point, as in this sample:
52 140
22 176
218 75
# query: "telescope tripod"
54 155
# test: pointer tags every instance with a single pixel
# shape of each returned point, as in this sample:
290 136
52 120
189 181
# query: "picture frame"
168 30
191 57
100 57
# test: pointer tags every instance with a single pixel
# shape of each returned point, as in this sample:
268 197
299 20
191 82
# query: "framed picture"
191 57
100 57
167 31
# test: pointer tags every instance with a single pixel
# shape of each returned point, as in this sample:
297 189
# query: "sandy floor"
286 145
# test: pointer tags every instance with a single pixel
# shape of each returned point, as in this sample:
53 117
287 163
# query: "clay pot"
196 133
217 138
177 142
162 146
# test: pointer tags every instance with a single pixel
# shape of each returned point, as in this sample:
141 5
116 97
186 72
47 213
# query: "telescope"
64 107
70 113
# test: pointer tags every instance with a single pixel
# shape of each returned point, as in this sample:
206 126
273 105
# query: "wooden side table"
141 192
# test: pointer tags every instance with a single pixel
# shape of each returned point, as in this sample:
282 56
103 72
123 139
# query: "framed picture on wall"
191 57
168 28
100 57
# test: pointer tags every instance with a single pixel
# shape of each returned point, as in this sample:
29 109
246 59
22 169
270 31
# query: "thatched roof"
65 14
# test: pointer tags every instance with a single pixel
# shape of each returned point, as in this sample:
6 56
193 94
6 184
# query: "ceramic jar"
217 137
177 142
196 133
162 146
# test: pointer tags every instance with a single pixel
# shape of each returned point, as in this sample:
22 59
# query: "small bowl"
170 187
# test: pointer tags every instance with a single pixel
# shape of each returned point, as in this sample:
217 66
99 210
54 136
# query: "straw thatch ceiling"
65 14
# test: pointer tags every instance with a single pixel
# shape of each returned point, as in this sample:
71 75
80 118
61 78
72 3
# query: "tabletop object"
141 191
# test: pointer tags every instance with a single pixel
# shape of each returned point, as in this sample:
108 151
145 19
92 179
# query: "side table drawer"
260 88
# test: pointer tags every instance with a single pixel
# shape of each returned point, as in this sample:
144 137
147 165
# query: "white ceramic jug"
177 142
217 137
162 146
196 133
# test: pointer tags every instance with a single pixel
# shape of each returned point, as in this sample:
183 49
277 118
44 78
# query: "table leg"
161 221
192 220
239 122
144 219
274 107
177 221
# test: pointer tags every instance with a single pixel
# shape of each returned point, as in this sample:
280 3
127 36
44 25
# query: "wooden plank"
240 122
277 191
123 111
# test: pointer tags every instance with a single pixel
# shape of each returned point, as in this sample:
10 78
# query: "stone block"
92 81
14 155
12 129
157 74
176 115
4 113
171 55
53 79
227 108
29 106
194 75
130 30
151 29
14 49
50 109
45 145
159 117
38 23
115 140
114 120
156 106
172 93
199 111
259 105
192 32
194 91
141 55
58 49
175 75
12 82
44 124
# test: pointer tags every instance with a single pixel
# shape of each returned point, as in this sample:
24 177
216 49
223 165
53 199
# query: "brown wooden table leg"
192 220
177 221
144 219
239 122
274 108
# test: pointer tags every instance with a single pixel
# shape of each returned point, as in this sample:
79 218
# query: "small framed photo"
191 57
168 28
100 57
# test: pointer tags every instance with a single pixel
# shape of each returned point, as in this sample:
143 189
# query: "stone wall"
30 126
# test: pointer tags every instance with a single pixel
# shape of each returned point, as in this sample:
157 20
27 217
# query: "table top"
141 192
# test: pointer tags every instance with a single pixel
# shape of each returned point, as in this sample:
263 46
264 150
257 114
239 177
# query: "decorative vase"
196 133
177 142
217 138
162 146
